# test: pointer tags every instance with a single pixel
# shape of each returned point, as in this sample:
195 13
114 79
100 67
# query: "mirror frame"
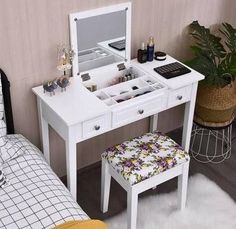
74 17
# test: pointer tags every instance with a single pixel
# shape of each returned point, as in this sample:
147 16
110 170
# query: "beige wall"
31 29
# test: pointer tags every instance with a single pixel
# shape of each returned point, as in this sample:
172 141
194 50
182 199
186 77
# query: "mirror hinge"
121 66
85 77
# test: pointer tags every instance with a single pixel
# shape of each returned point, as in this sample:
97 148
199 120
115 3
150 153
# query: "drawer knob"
179 97
97 127
140 111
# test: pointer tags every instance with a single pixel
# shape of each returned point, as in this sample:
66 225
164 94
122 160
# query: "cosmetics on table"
160 56
142 54
127 75
92 87
150 49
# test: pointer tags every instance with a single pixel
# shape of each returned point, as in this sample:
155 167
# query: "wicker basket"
214 104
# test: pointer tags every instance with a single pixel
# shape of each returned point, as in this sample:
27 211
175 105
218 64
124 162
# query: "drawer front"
95 126
138 111
179 96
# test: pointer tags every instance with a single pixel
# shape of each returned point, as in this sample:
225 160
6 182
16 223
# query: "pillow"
3 179
12 146
3 129
3 132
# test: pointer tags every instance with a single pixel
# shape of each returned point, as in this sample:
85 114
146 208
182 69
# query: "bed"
32 196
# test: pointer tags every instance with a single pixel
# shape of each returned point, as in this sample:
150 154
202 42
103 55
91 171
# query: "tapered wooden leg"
182 186
105 186
71 166
132 204
188 118
45 140
153 122
44 136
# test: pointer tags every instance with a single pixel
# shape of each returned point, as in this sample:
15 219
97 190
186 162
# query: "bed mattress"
34 197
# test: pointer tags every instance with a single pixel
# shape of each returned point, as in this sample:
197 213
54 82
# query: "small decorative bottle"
142 54
150 49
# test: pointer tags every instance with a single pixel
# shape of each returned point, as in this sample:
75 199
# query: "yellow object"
83 224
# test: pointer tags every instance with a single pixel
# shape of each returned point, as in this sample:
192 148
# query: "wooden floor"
89 179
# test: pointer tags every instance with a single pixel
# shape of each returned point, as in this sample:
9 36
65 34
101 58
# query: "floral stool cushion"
145 156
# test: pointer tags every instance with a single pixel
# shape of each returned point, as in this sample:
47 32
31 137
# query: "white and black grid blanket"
34 197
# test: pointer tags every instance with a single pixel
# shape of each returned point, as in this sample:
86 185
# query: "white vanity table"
79 114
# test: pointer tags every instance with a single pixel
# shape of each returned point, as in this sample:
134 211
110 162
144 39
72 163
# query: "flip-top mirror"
100 37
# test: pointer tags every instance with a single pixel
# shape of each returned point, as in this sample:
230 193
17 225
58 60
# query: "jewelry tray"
122 93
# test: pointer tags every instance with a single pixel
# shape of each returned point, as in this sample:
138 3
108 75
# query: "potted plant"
215 58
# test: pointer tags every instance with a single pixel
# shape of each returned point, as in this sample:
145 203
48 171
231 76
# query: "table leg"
45 140
71 166
43 125
188 118
153 122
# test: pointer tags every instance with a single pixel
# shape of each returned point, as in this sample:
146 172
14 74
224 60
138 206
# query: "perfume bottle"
150 49
142 54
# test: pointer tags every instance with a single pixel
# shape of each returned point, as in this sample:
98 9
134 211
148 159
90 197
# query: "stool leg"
182 186
105 186
132 203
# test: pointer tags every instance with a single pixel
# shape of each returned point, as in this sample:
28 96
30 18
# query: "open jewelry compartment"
113 93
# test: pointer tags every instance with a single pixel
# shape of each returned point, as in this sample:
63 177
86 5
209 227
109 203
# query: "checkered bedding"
34 197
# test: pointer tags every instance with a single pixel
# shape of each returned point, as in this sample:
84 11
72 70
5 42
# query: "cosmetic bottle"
142 54
150 49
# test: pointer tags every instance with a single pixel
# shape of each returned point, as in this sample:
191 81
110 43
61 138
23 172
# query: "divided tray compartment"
109 77
101 95
153 82
125 87
124 92
110 102
133 94
149 80
158 86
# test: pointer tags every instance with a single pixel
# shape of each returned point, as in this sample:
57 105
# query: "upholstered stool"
143 163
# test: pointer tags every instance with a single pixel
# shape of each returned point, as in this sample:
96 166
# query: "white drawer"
95 126
139 111
179 96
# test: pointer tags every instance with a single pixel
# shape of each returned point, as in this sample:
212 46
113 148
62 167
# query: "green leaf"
196 50
211 58
230 34
206 41
227 67
204 65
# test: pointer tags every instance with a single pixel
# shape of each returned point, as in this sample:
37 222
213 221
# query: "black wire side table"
211 142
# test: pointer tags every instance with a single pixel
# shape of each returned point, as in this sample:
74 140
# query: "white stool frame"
134 190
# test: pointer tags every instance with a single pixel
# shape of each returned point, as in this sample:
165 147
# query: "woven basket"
215 104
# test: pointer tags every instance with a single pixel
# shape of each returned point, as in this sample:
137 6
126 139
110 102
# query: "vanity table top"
173 83
74 105
78 104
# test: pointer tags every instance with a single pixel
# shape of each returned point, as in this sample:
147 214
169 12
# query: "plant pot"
215 104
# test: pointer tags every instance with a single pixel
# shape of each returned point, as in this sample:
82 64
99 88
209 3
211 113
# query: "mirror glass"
101 40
